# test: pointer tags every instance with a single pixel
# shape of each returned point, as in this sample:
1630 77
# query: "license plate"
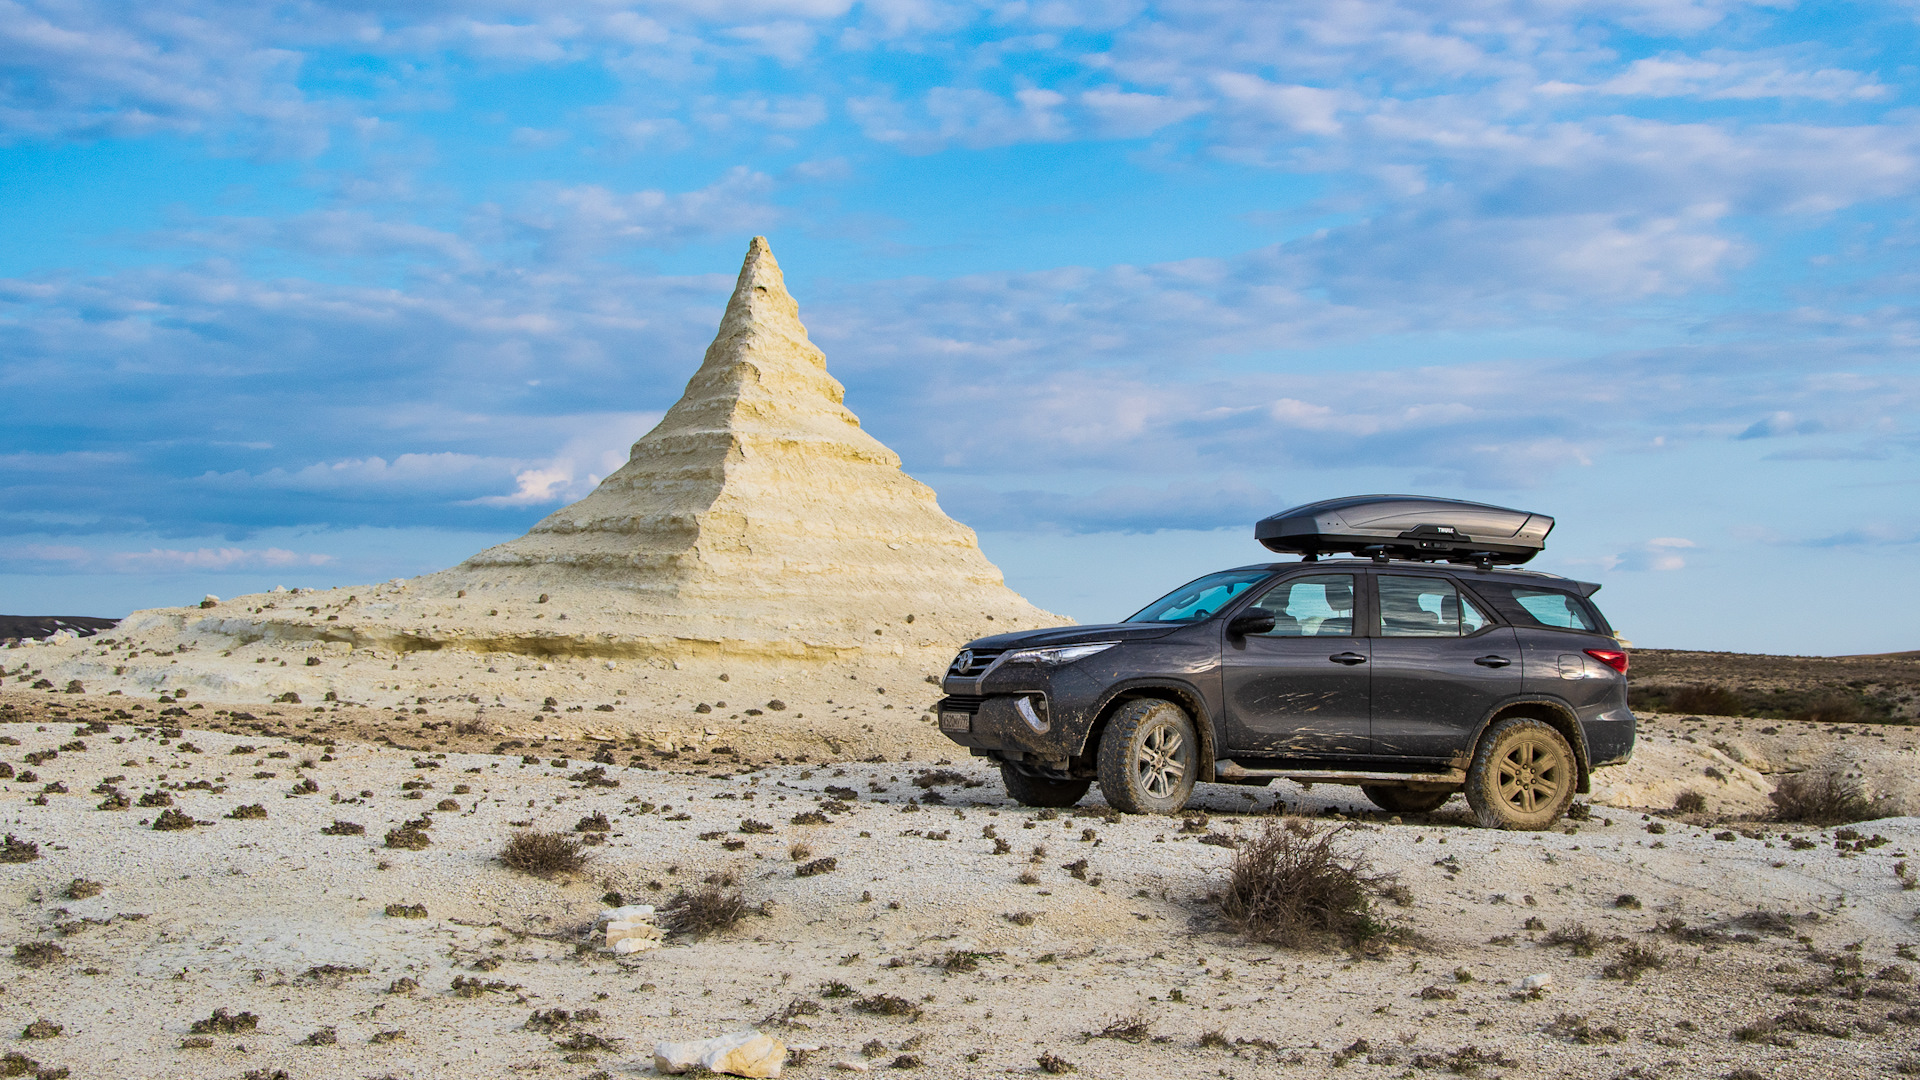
956 721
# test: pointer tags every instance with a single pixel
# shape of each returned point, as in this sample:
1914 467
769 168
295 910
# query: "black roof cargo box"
1407 527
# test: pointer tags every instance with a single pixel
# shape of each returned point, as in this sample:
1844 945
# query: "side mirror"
1251 622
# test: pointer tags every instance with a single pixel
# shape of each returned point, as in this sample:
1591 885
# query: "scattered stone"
742 1053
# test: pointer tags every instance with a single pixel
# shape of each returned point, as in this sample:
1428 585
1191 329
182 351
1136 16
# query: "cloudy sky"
321 293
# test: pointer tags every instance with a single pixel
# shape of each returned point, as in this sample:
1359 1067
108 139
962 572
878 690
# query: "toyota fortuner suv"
1412 679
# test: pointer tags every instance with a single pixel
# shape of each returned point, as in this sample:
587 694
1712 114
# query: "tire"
1041 790
1403 800
1149 758
1522 777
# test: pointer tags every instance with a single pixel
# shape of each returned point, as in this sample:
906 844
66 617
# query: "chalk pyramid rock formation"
758 514
757 528
758 509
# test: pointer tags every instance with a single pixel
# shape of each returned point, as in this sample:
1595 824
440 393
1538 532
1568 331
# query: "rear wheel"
1522 777
1028 790
1404 800
1149 758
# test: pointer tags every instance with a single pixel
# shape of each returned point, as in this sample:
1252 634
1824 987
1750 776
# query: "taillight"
1613 658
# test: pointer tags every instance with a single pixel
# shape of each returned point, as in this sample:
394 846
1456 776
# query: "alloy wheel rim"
1161 763
1532 772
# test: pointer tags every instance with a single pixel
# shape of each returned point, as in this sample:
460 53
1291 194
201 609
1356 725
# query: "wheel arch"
1558 715
1181 694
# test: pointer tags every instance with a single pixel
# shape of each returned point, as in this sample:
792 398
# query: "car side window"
1552 608
1425 607
1317 606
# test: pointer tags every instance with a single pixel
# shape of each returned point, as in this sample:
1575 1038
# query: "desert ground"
955 934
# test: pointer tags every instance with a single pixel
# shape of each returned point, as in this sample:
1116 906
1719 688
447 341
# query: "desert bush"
817 866
1707 698
406 911
173 821
343 828
249 812
1829 798
1631 962
1134 1028
407 839
1290 886
1576 937
38 954
1831 709
82 889
1689 802
15 850
225 1023
702 911
543 854
888 1005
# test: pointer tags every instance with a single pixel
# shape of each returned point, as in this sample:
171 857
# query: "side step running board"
1233 770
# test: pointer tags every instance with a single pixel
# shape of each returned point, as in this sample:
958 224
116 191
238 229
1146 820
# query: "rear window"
1530 605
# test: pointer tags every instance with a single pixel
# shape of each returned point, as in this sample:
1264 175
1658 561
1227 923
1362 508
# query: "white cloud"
1662 553
75 559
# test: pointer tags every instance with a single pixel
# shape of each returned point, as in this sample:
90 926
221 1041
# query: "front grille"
966 703
971 662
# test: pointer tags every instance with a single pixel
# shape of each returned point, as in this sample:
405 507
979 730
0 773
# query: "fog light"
1035 720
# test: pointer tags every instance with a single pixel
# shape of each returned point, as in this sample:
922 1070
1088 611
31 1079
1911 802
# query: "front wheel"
1149 758
1403 800
1522 777
1030 790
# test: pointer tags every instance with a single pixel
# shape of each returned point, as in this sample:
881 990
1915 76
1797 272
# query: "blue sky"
320 293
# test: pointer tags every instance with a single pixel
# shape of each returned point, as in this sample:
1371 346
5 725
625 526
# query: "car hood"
1074 635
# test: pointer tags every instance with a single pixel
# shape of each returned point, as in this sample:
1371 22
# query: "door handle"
1493 661
1348 658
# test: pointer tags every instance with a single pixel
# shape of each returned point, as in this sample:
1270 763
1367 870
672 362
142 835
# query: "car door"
1440 663
1301 689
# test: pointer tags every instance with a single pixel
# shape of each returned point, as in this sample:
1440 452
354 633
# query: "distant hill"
1827 689
43 626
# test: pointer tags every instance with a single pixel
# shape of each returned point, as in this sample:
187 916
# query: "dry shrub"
1134 1028
543 854
1576 937
1831 709
1830 798
408 839
888 1005
1629 963
1291 887
1707 698
38 954
225 1023
15 850
1689 802
702 911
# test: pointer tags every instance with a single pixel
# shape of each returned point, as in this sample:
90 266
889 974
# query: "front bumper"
1005 725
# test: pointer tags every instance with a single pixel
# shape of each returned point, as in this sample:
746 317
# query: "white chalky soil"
238 914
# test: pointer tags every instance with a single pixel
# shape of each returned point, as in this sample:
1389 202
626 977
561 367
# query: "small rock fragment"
742 1053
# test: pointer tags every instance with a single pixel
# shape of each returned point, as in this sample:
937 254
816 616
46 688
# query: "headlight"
1062 654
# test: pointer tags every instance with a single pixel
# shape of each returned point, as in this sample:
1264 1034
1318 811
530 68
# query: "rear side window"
1527 605
1425 607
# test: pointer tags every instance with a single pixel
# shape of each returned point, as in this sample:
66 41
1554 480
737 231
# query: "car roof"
1580 588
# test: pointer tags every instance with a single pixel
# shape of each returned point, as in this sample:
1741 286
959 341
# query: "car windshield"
1198 600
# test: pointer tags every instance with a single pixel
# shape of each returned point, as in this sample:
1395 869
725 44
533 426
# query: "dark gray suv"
1411 679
